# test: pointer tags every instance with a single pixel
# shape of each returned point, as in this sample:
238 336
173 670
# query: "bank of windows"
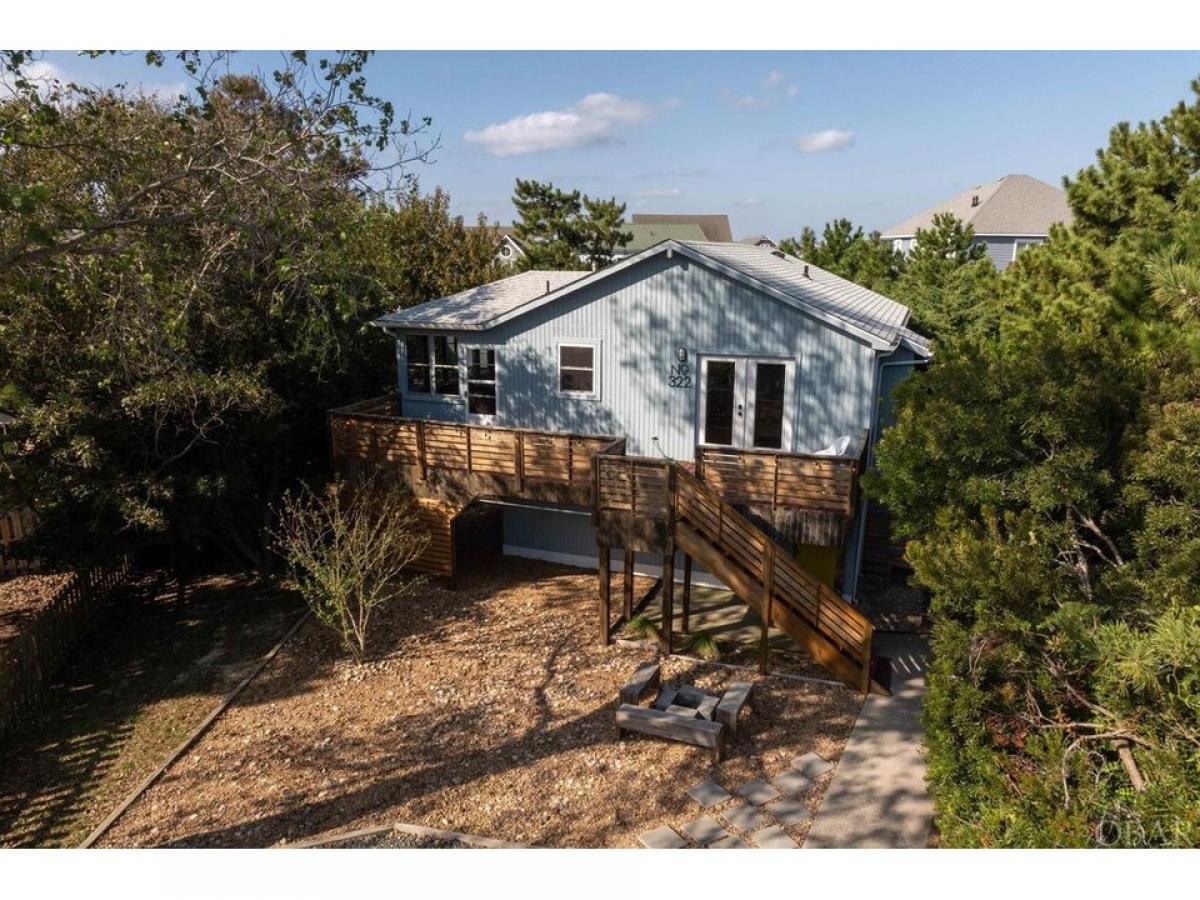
432 364
433 368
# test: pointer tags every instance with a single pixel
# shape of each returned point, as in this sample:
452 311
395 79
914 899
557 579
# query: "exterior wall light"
681 354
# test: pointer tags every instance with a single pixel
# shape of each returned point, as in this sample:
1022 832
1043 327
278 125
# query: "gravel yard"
489 712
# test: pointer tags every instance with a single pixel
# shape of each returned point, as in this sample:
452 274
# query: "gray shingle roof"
819 291
828 293
475 307
1014 204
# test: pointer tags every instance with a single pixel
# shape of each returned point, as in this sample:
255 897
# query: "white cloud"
742 101
749 200
773 80
824 141
660 192
596 119
792 92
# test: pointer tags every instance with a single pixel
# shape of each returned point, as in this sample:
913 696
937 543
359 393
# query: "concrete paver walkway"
878 797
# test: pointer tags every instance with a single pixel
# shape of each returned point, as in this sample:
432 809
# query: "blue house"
602 409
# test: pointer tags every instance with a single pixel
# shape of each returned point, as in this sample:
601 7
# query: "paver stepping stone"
705 830
743 817
812 765
709 793
665 838
773 838
793 782
757 791
733 842
789 811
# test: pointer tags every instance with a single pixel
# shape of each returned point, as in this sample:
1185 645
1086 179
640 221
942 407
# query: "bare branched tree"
348 549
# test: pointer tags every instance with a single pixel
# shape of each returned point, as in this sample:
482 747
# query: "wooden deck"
639 504
457 463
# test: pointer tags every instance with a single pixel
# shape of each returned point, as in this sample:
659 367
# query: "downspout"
870 463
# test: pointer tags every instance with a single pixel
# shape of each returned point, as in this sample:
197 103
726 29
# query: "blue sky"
776 140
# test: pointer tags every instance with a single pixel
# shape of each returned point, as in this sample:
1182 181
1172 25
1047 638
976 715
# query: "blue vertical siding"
639 317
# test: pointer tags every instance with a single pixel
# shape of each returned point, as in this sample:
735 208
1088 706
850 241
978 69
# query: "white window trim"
1018 243
432 396
464 351
596 373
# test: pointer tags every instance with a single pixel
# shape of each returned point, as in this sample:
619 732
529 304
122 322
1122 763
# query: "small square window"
577 369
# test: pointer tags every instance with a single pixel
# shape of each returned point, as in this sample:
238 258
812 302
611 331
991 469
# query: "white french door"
746 402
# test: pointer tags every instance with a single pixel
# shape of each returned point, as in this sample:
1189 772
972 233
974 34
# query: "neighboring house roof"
648 234
1012 205
842 303
476 307
758 240
715 227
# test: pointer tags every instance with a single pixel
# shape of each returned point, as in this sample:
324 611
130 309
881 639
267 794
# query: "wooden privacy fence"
15 525
31 657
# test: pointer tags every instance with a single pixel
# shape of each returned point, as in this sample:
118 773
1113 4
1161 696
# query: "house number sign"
681 375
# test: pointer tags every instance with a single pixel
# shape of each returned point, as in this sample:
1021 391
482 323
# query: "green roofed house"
646 235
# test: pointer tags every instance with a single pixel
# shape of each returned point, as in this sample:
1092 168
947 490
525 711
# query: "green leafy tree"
1046 473
560 229
185 286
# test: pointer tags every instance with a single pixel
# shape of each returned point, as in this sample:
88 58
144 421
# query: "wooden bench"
647 677
698 732
737 696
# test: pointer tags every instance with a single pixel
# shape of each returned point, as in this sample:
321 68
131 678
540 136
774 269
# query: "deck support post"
604 553
628 585
687 593
668 602
768 583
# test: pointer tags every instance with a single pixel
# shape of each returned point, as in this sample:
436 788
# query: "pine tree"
562 230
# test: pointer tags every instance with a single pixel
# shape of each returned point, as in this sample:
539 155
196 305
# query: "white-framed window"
431 364
579 369
481 381
897 245
1020 245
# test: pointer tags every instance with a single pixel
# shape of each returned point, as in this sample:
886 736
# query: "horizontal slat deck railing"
838 635
373 434
826 484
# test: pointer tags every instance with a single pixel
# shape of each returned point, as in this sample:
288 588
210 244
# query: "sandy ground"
490 713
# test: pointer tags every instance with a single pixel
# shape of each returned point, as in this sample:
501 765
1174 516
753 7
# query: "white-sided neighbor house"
1007 214
611 410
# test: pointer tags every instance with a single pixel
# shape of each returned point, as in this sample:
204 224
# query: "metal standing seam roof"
1012 205
818 290
828 293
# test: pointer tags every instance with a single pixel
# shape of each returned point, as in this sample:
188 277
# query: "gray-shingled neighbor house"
737 361
1007 214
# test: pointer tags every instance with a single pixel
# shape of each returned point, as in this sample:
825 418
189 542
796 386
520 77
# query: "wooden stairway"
764 576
